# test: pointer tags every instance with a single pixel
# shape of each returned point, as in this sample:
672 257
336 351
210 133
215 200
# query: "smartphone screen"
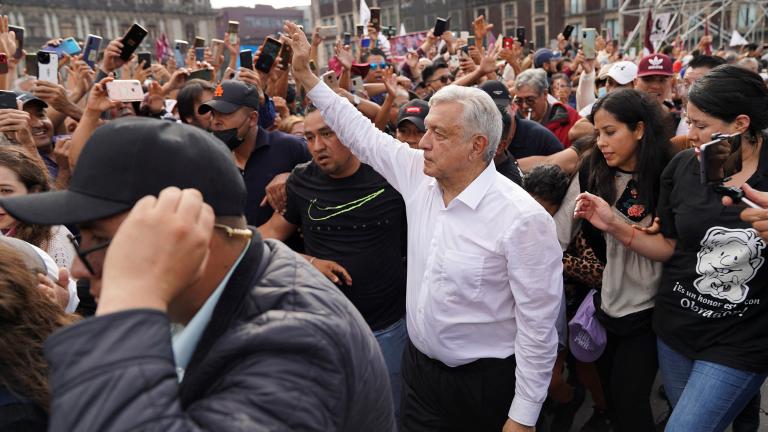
246 59
71 47
365 43
146 59
232 30
441 26
376 18
132 40
520 34
199 42
31 63
268 55
347 38
203 74
92 44
8 100
199 54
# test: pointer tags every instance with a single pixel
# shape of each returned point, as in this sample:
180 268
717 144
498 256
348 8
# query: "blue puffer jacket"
284 351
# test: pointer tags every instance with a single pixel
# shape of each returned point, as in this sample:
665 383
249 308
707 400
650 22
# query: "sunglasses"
445 79
381 66
530 101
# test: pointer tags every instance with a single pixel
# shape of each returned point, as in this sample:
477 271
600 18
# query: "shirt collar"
185 341
475 191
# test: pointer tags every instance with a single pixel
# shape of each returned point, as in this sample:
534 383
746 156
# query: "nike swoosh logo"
340 209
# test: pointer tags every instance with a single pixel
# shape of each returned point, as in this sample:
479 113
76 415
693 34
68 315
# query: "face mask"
602 91
229 136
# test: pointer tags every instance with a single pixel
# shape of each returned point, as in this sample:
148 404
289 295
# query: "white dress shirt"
484 272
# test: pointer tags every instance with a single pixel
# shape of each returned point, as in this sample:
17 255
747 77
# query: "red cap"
655 64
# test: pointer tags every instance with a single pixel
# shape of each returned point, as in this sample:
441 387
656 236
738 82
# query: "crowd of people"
471 237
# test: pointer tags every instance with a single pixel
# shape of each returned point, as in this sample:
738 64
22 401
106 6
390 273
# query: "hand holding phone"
268 55
441 26
132 40
376 18
246 59
567 31
125 91
232 29
18 33
48 67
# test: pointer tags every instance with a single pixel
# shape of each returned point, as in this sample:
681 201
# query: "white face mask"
602 91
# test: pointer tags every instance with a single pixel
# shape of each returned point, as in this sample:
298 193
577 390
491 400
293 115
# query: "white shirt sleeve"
535 270
585 92
399 164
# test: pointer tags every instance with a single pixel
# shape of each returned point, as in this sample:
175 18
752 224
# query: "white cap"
623 72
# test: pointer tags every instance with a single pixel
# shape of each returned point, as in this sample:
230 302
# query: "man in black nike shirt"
353 224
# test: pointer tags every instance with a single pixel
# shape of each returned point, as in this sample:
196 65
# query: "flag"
402 29
737 39
707 47
161 46
647 45
491 39
365 14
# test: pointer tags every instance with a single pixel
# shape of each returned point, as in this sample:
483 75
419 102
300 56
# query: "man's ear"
479 147
254 119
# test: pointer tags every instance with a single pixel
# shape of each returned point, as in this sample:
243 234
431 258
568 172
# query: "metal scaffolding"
690 16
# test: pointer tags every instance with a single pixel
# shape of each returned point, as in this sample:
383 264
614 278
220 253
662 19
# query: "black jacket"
284 351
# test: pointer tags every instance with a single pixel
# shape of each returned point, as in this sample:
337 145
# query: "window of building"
575 7
541 36
611 4
539 7
510 10
456 20
481 11
747 15
612 26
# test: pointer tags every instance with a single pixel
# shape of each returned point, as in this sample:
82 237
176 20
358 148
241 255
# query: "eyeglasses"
83 253
381 66
445 79
530 101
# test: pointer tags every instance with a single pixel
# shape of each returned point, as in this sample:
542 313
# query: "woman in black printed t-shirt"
710 315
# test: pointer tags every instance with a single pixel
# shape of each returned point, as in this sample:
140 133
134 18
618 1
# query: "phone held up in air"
48 66
125 91
246 59
30 61
441 26
588 36
132 40
567 31
268 55
203 74
520 34
145 59
508 43
232 28
179 52
376 18
91 50
19 35
330 79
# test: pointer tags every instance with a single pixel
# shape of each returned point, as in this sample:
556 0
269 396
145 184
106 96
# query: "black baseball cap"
231 95
497 91
414 111
26 98
128 159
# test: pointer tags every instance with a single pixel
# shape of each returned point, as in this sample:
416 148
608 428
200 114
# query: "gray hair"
479 117
536 78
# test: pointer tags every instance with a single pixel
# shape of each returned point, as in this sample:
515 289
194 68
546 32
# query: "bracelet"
629 243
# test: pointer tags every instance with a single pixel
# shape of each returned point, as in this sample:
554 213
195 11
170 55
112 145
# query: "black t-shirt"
358 222
711 303
533 139
509 169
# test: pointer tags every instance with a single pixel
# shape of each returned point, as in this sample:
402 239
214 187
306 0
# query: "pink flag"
161 47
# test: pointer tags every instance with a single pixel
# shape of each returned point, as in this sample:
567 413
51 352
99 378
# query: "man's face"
327 150
241 119
446 151
95 234
611 85
124 109
550 66
375 73
42 128
658 86
530 101
440 79
203 121
408 132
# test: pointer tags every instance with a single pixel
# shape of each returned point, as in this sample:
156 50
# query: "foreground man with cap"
268 343
484 277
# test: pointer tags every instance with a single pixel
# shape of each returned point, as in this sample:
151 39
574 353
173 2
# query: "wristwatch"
355 100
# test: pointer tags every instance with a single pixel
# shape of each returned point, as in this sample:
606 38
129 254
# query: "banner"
660 28
400 45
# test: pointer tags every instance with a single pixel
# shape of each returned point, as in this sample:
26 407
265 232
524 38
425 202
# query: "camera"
43 57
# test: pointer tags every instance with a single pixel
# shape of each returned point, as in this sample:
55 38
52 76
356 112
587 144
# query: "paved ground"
660 408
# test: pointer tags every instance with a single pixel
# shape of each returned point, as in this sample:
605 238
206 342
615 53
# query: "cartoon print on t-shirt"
727 260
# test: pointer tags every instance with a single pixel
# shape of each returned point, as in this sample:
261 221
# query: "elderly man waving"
484 279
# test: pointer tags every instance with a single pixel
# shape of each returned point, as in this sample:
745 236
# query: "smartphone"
604 34
19 34
232 30
199 42
441 26
531 47
588 36
567 31
357 84
146 58
471 41
520 34
31 62
453 61
3 64
132 40
326 32
180 51
125 91
67 46
48 66
8 100
719 158
509 43
360 29
376 18
365 43
330 79
285 57
246 59
199 54
464 51
268 56
217 49
203 74
347 38
91 51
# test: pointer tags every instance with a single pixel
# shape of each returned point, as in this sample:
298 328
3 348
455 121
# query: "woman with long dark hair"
710 316
632 148
27 317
